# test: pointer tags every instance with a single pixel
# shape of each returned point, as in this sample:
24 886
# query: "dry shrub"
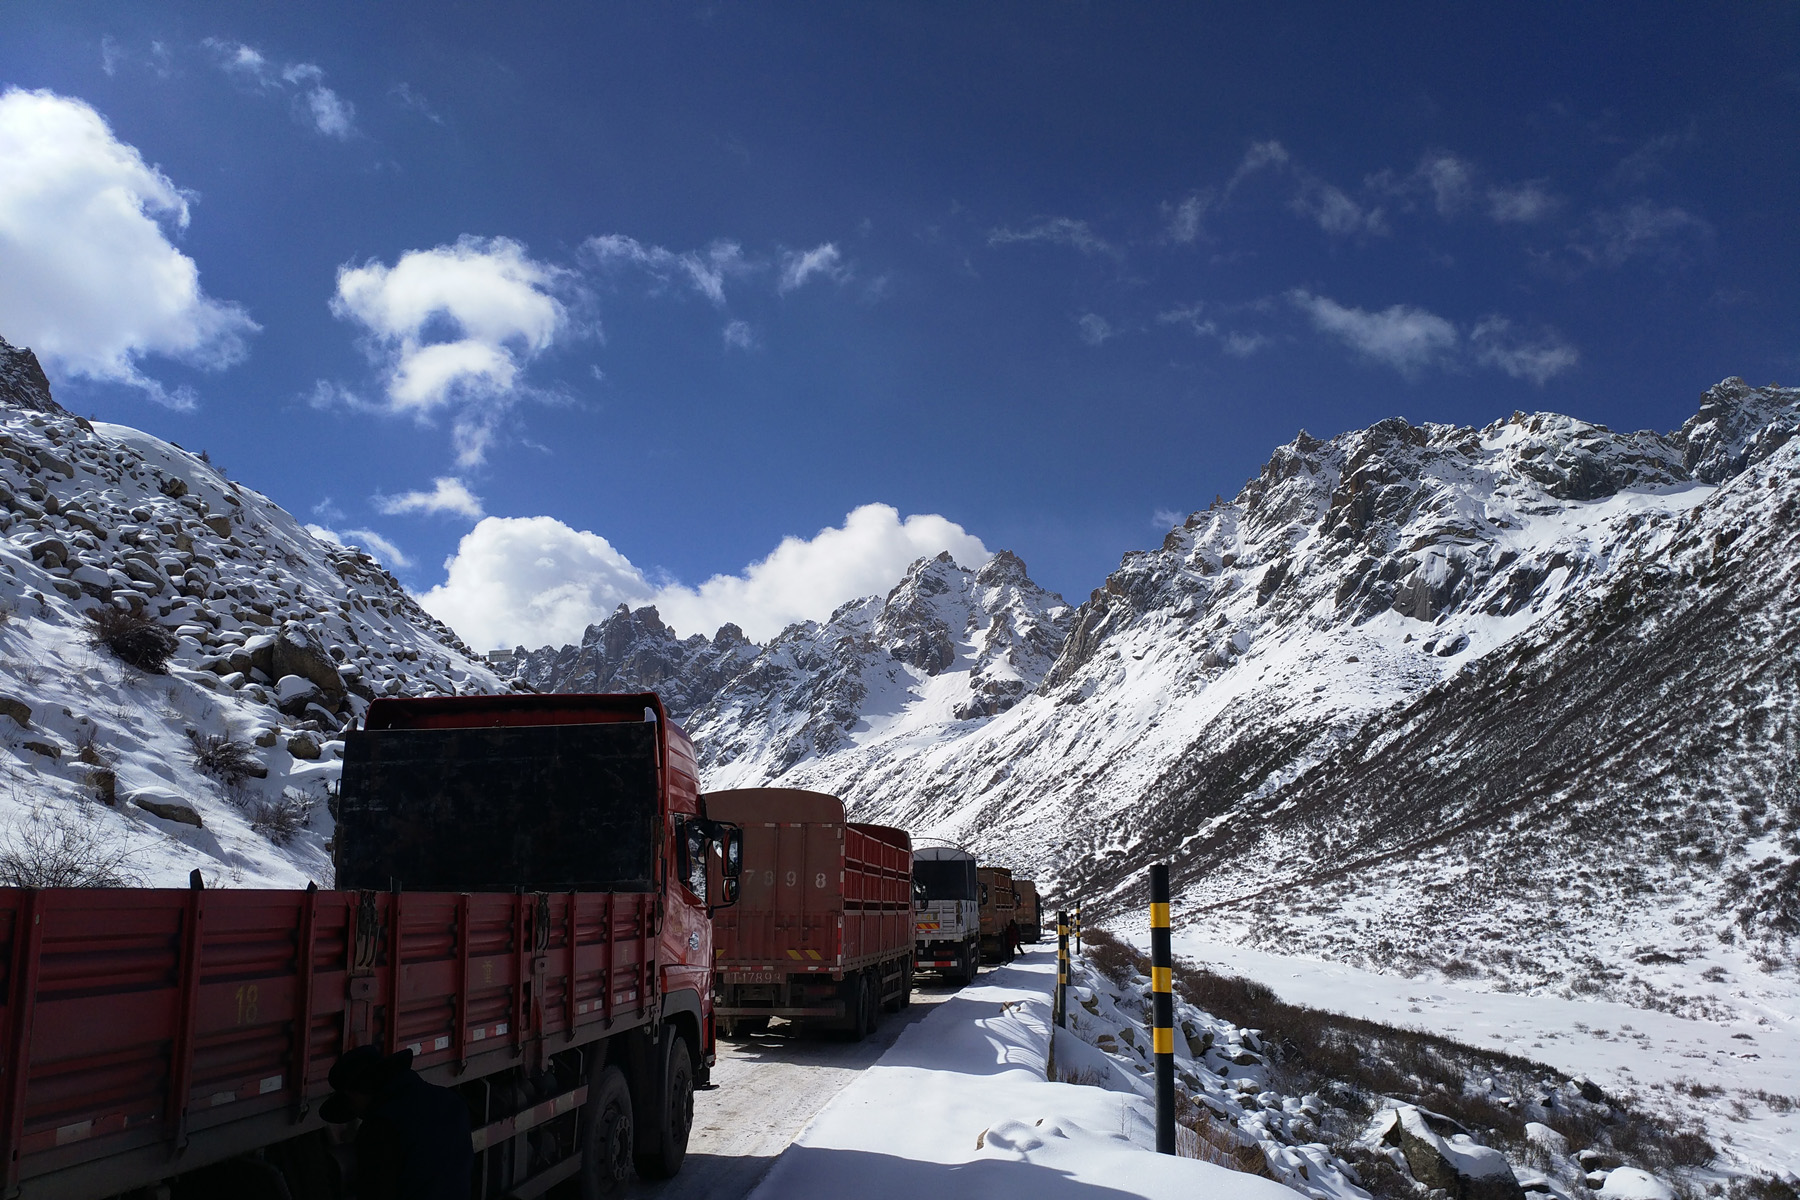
134 639
281 821
63 851
227 761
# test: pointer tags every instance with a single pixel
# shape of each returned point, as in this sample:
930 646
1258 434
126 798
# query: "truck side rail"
149 1032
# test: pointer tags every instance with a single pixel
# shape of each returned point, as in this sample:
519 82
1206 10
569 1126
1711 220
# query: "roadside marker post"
1062 970
1162 1034
1077 927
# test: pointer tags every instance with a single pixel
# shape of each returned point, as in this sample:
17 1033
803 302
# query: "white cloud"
1521 204
91 280
799 266
739 336
1535 357
319 106
531 581
366 539
1662 233
1062 231
447 495
1325 204
535 581
1235 342
1411 339
705 271
1405 338
452 327
1186 218
1451 180
1260 157
1332 209
1095 329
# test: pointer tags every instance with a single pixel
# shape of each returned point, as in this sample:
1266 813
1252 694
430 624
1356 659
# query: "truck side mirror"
731 863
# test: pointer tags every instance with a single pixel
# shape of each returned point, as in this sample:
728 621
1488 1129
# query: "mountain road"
768 1086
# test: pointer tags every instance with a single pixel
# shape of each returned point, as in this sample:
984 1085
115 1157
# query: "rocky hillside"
255 643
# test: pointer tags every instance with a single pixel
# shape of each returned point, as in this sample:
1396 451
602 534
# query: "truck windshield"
946 879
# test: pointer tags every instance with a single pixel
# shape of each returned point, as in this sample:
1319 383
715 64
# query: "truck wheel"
674 1109
906 984
606 1137
861 1000
896 1002
872 1011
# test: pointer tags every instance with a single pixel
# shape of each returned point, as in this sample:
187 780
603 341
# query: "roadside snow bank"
959 1107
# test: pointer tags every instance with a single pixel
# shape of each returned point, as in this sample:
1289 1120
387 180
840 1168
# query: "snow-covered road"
769 1087
959 1108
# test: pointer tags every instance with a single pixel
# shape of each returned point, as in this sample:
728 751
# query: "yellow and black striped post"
1062 969
1162 999
1076 928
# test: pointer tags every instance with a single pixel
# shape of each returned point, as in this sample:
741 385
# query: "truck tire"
862 999
673 1105
906 984
606 1137
872 1011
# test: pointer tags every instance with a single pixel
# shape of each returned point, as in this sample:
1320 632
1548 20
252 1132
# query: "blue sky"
692 280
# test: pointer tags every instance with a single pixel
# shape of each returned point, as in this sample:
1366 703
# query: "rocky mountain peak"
633 651
23 383
1737 427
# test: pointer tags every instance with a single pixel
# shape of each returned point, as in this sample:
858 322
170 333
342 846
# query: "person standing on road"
413 1140
1013 942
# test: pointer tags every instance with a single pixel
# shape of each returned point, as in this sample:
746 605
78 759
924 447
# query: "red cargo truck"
165 1037
822 931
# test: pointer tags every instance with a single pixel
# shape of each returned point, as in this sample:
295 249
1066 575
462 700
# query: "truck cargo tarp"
550 808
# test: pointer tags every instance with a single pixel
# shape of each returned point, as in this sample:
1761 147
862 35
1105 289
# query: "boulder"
1629 1183
164 805
1458 1164
304 745
294 693
48 749
295 652
18 710
50 551
1546 1139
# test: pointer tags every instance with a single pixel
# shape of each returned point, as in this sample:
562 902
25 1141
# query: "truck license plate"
750 977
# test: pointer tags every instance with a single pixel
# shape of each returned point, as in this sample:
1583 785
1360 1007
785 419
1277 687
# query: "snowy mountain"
221 758
1505 700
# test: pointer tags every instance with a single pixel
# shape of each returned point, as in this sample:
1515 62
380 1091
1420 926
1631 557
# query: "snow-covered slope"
281 640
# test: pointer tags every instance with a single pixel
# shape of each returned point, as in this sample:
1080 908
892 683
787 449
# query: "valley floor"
1721 1074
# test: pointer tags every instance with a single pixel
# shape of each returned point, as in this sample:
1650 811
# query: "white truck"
946 913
